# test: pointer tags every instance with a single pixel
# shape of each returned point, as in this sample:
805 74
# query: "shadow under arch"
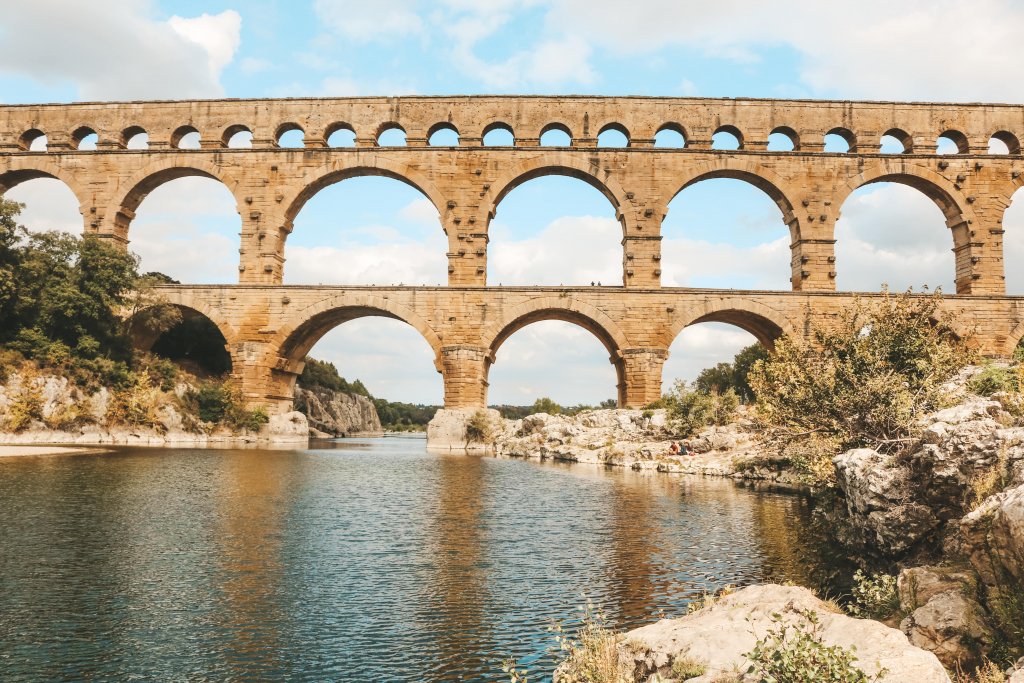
582 315
760 177
936 188
132 193
181 343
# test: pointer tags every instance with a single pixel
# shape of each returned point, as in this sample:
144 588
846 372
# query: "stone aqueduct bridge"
269 327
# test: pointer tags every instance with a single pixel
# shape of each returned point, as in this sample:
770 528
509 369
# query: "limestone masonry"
269 327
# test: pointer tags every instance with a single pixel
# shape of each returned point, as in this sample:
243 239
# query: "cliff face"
334 413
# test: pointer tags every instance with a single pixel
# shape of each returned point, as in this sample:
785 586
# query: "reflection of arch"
558 163
765 323
310 324
566 310
751 172
371 166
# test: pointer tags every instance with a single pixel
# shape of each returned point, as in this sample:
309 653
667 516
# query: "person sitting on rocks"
673 448
687 449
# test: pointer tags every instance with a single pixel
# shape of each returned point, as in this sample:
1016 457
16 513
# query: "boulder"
291 426
992 538
447 430
944 617
718 636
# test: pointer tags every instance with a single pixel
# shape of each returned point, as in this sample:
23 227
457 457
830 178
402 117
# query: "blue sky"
719 233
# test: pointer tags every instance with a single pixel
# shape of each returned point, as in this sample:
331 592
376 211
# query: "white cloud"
892 234
49 205
1013 244
881 50
702 346
116 50
574 250
378 264
362 21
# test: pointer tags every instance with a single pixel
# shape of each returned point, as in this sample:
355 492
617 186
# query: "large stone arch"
144 339
307 326
333 172
131 192
565 164
752 172
950 201
563 309
20 170
765 323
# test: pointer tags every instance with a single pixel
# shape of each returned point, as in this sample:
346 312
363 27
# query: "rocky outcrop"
944 616
71 415
463 430
335 413
638 439
896 504
991 538
717 637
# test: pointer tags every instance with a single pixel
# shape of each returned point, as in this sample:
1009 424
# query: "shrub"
479 428
795 654
686 666
218 403
863 382
874 596
590 655
690 411
9 362
27 404
996 379
137 404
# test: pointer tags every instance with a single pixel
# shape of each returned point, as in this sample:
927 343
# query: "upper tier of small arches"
754 125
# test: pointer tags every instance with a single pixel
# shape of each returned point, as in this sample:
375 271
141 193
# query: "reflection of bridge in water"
269 327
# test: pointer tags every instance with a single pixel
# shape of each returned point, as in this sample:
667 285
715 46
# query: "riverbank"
29 451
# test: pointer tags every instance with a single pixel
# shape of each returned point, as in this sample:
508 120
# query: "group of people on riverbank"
676 448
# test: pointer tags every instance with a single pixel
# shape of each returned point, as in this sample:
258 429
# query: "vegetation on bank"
546 405
71 307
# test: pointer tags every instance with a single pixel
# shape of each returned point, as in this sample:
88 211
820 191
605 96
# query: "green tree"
726 376
545 405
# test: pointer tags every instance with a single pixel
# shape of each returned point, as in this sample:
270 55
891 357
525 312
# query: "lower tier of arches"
267 331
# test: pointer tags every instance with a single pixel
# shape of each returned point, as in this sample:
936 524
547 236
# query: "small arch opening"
391 135
185 137
1001 140
670 136
290 136
84 139
839 141
499 134
896 141
443 135
727 138
33 140
134 137
951 142
613 135
556 135
783 139
341 135
237 137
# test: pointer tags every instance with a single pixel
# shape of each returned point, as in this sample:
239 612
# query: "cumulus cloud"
117 50
574 250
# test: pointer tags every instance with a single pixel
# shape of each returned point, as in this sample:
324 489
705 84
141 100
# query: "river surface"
371 560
